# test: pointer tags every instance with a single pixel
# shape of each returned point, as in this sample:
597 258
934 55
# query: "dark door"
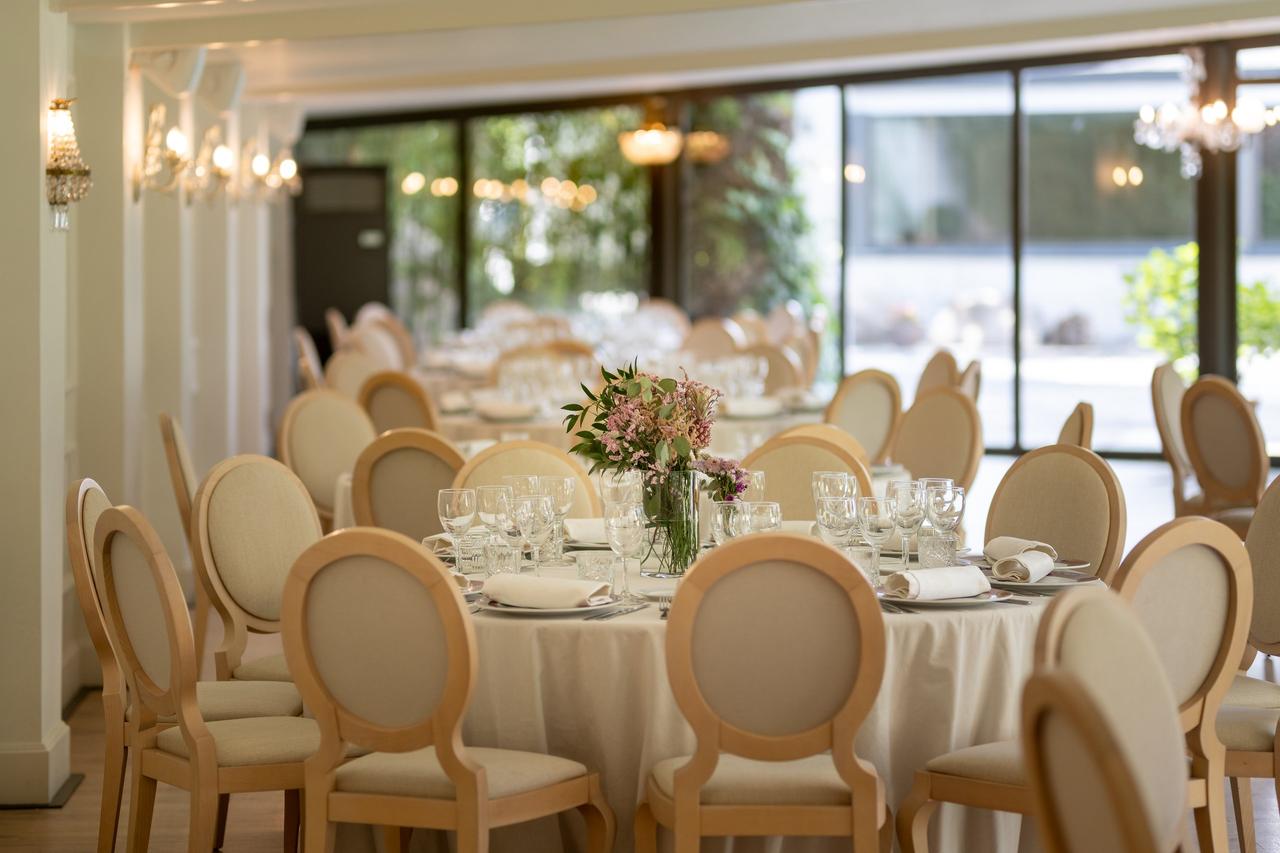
340 244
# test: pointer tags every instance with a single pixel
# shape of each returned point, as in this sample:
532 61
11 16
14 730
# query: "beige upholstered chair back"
253 518
395 400
566 350
1263 545
337 327
308 355
1224 443
753 326
182 473
666 312
784 369
86 502
1100 713
940 436
503 312
1167 390
735 637
941 371
970 382
349 368
377 342
397 480
868 406
788 463
376 635
1068 497
488 467
321 435
785 322
809 349
1190 584
715 337
833 433
1078 428
308 380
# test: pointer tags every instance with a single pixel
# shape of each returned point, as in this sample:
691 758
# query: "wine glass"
457 508
838 520
909 513
521 485
764 516
833 484
618 487
535 515
625 526
945 506
755 487
726 523
491 502
878 519
560 490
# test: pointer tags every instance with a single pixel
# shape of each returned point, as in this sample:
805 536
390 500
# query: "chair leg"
1211 820
292 819
886 833
204 819
395 839
112 786
220 832
914 815
602 827
1242 800
646 830
142 803
318 831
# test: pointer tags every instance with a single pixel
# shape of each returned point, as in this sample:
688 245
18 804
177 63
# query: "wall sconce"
286 169
212 170
268 176
65 174
165 156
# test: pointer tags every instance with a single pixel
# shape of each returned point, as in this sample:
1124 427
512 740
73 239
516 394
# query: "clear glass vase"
672 508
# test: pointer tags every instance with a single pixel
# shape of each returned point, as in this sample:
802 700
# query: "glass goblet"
535 515
877 518
521 485
837 521
945 507
560 490
909 503
626 527
457 509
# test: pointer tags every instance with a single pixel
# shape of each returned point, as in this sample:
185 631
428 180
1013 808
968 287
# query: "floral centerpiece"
660 427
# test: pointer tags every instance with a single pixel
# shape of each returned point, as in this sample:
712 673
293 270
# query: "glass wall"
1108 267
556 212
422 189
929 232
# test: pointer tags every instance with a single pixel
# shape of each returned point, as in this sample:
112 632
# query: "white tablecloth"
596 692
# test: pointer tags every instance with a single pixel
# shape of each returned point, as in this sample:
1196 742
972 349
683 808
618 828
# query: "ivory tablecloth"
596 692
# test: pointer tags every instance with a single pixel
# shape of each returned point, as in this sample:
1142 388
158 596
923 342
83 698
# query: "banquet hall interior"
722 425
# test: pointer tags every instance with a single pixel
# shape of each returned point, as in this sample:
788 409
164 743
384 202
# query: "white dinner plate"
980 600
511 610
1055 581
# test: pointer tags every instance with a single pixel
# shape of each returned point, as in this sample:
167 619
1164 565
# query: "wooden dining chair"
1068 497
831 432
1226 449
940 436
774 728
1167 391
1103 745
788 463
310 368
753 326
183 480
376 341
307 379
666 312
378 314
868 406
714 337
1078 427
783 368
171 740
349 368
395 400
397 479
336 324
386 658
489 466
321 434
940 371
970 381
253 517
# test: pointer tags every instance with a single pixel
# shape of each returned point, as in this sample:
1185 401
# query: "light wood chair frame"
183 492
735 334
310 370
237 623
584 480
286 427
1181 503
391 322
976 449
1217 494
350 351
969 382
783 356
877 455
199 774
1117 514
472 813
309 379
410 386
832 446
390 441
944 361
867 820
831 432
1084 413
337 326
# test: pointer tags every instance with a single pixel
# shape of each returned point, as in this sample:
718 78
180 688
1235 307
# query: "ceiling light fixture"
653 144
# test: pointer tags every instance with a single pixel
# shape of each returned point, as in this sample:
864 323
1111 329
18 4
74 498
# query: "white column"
34 741
253 247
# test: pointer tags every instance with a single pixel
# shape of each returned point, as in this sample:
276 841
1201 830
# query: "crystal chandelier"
1194 127
66 175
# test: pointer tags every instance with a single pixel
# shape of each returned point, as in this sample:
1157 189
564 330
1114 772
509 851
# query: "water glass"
764 516
618 487
837 520
597 566
878 519
727 521
521 485
491 503
501 558
755 487
626 528
470 547
909 512
560 490
866 559
937 549
945 507
535 516
457 509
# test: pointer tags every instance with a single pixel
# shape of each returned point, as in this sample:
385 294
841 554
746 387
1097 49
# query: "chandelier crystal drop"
67 178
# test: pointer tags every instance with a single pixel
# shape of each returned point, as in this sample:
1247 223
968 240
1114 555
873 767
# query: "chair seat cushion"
269 668
252 741
811 781
419 774
999 762
1248 729
1253 693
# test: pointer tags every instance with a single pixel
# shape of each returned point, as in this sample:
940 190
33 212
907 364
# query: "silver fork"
664 606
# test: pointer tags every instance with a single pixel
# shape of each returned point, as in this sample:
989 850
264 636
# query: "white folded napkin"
1020 560
545 593
588 531
936 584
1009 546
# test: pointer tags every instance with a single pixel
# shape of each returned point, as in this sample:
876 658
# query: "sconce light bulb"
176 141
261 165
224 158
288 168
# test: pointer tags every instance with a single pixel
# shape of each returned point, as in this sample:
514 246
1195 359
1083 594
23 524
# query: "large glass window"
556 212
422 190
1108 267
762 206
929 260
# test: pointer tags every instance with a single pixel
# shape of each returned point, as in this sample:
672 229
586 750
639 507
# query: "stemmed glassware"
838 520
535 515
457 509
560 490
491 503
909 512
878 519
625 527
755 487
944 505
521 485
621 487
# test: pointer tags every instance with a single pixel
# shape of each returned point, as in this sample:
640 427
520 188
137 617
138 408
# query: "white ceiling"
338 56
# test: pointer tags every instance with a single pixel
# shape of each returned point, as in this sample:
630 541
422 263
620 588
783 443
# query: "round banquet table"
596 691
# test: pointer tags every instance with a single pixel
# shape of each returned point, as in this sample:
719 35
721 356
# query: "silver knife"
621 611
